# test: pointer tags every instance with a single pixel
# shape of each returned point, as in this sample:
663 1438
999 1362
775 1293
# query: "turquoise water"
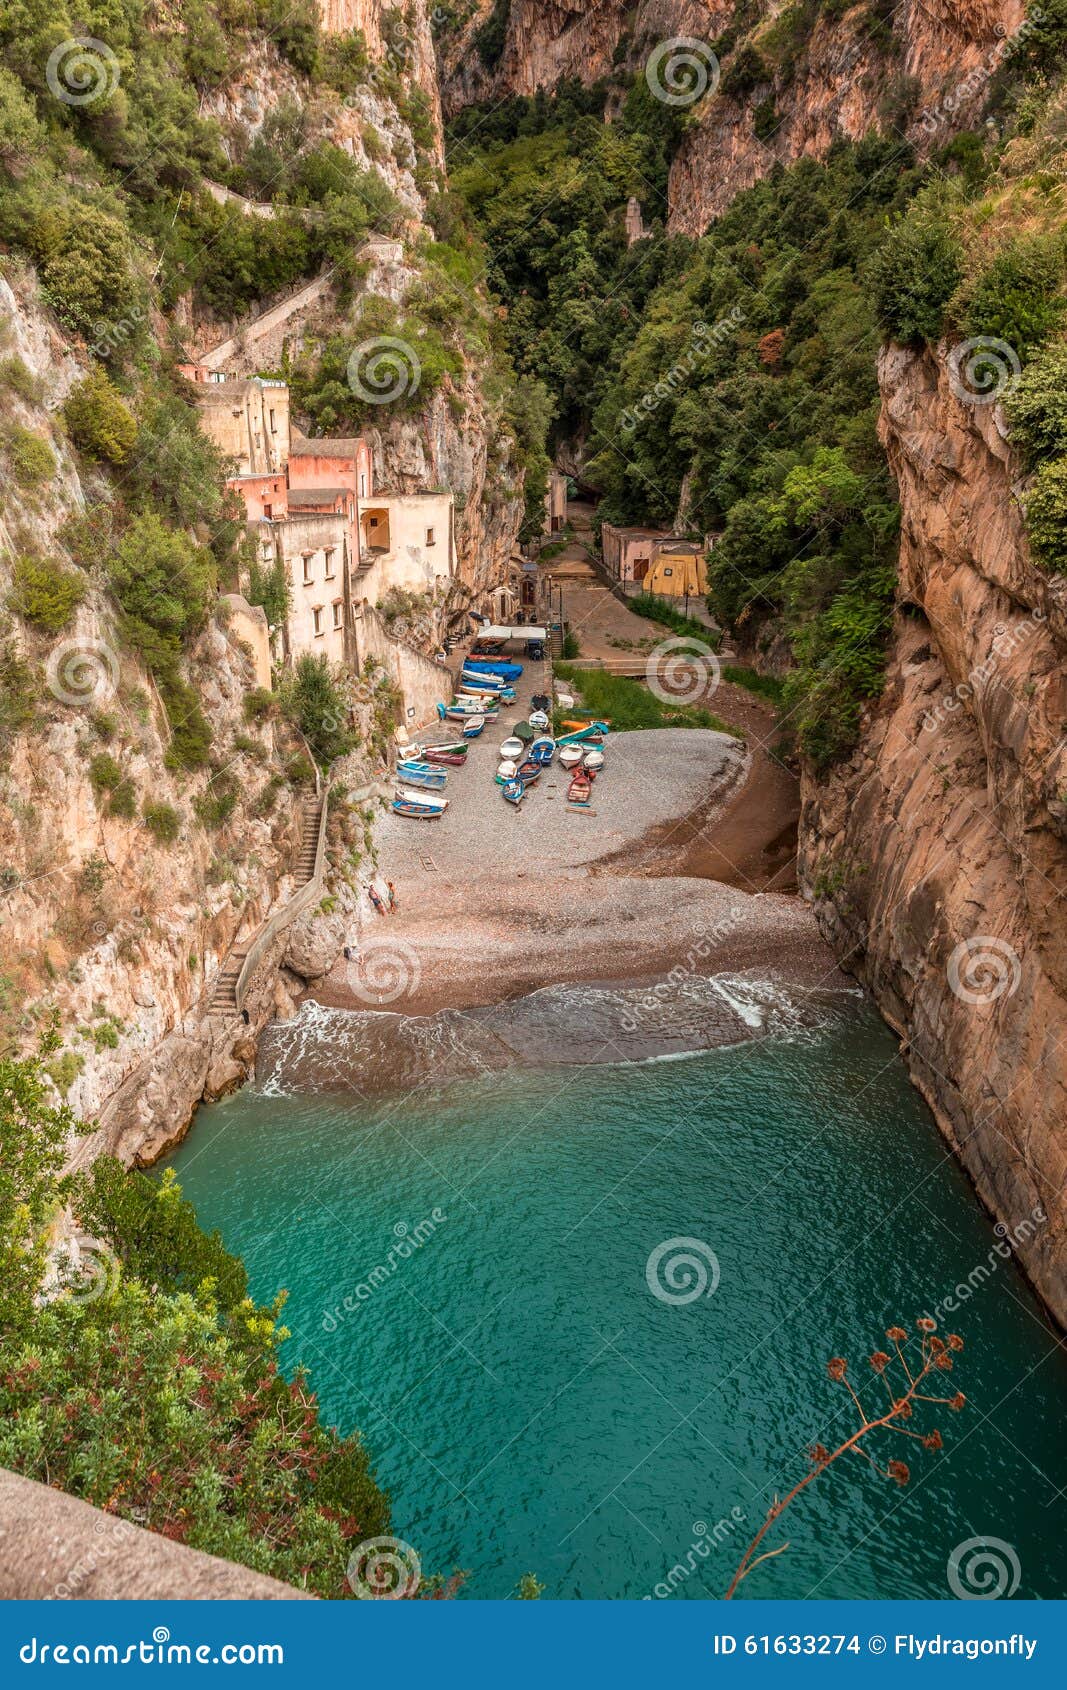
531 1404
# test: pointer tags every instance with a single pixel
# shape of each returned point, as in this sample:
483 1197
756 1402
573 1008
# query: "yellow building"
677 568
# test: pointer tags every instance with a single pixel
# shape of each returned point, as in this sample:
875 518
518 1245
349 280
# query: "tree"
935 1357
100 424
34 1134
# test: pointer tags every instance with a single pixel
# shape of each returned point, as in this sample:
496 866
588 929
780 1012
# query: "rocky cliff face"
923 81
115 930
923 75
937 857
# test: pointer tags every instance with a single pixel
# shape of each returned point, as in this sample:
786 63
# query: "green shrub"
313 698
88 273
29 456
123 800
162 821
1017 297
1046 516
215 805
19 379
104 772
165 585
914 274
190 731
45 593
1036 404
99 422
260 704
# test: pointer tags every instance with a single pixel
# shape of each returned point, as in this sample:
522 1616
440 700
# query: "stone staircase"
224 997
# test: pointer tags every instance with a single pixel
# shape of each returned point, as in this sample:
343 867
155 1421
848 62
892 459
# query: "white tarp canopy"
512 633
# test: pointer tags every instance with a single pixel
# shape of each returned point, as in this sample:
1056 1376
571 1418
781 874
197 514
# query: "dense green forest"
729 383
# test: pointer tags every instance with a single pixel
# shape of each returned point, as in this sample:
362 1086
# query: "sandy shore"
494 902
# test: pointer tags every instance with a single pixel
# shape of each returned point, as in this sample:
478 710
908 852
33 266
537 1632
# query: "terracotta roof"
306 496
300 447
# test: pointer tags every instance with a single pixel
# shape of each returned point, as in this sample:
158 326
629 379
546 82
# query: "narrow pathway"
224 997
752 843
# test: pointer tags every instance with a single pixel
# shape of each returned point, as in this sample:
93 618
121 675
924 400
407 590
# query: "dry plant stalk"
935 1357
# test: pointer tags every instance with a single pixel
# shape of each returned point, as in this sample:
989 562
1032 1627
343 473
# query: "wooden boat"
512 748
529 771
475 725
593 762
448 756
423 774
542 751
507 771
514 792
423 806
495 666
463 713
580 790
570 756
538 720
587 721
594 734
486 688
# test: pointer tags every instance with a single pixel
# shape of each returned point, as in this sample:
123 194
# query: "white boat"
538 719
407 801
507 770
594 760
511 749
570 756
565 700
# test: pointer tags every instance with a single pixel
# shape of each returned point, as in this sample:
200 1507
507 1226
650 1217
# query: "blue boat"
423 806
423 774
494 666
473 727
514 791
542 752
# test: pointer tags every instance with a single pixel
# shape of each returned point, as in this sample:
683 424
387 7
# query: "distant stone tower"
635 223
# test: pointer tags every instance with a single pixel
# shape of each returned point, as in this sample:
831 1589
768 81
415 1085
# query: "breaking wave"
374 1053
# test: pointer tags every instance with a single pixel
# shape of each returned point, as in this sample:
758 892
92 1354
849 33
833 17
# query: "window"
319 629
330 570
667 572
363 486
273 424
431 537
268 511
338 614
308 573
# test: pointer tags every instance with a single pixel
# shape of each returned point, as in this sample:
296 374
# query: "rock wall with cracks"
937 855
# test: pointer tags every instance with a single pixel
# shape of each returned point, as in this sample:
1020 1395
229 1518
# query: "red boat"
454 759
580 790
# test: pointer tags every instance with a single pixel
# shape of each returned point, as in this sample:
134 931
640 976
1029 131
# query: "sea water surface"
477 1219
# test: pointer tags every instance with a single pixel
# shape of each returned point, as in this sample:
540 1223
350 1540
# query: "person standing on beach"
392 897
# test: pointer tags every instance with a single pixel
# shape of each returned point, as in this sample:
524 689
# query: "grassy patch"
764 686
659 610
629 706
